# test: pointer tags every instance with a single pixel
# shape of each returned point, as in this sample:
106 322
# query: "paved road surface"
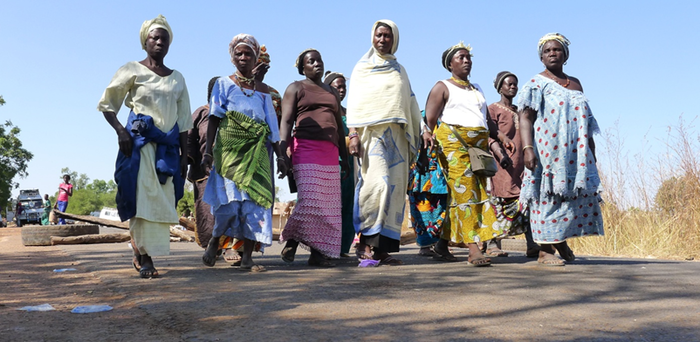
594 299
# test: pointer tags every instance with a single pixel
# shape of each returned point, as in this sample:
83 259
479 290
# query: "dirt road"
595 299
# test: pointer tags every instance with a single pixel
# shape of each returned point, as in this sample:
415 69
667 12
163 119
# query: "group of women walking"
545 183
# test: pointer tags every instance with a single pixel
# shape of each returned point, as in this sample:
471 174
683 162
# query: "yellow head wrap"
449 53
554 36
150 25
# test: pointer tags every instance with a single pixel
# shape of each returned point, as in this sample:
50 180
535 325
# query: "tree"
186 204
13 159
2 101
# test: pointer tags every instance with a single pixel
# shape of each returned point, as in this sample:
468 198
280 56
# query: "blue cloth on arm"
143 131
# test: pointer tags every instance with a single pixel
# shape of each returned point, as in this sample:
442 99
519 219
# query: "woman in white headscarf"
384 122
152 158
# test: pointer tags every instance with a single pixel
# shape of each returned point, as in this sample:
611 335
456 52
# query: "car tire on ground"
41 235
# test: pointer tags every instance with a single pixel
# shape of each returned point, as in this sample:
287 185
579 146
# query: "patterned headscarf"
150 25
449 53
498 81
299 64
331 76
247 40
554 36
264 56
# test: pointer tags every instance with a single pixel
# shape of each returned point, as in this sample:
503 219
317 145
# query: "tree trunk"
90 238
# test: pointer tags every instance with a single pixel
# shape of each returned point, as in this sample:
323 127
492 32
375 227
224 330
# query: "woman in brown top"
507 182
314 109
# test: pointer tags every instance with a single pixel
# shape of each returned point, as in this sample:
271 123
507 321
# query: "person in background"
196 142
384 120
561 184
65 191
347 183
510 213
47 211
313 109
18 211
152 161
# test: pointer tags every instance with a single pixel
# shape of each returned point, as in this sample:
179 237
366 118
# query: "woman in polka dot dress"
561 183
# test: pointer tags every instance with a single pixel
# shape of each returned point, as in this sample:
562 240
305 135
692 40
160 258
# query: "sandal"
148 272
496 252
253 269
232 255
445 257
550 260
362 255
479 262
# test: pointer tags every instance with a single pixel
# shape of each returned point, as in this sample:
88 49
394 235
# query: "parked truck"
32 205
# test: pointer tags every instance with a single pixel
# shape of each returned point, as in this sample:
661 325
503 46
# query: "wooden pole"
90 238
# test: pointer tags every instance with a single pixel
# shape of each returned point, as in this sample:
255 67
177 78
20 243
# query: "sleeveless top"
466 108
316 108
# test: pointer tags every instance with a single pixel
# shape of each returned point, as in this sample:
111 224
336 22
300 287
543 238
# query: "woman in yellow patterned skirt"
461 108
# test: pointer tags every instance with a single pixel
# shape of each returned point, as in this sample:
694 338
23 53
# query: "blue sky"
637 61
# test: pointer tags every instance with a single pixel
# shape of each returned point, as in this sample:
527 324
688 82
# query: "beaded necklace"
242 79
468 87
565 85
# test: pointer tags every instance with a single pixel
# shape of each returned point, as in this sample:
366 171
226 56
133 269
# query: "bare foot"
209 257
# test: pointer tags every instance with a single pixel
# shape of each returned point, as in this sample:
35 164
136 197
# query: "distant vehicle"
109 214
32 205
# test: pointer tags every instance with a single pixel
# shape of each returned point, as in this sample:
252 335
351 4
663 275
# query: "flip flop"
550 260
479 262
232 256
253 269
495 252
362 255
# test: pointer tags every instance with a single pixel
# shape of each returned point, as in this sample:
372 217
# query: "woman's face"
313 65
383 40
553 54
461 64
509 88
158 43
244 59
340 85
66 179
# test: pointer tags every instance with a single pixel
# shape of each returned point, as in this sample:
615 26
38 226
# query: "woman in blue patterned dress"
561 183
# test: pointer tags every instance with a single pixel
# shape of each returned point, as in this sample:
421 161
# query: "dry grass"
641 221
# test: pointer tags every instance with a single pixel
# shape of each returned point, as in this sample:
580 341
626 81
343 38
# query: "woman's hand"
355 147
530 158
507 144
206 163
428 141
126 143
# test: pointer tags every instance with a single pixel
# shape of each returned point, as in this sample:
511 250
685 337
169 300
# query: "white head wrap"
150 25
247 40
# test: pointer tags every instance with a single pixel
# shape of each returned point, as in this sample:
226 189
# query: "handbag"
482 162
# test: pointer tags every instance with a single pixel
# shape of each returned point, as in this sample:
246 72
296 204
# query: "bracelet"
280 158
528 146
207 154
353 135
